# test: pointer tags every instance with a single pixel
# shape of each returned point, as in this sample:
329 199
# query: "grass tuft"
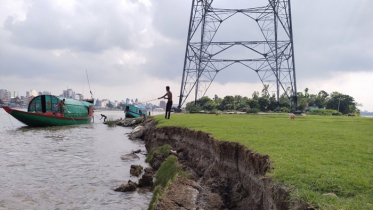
162 150
168 171
166 174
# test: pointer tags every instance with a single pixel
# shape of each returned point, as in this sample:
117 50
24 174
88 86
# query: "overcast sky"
134 48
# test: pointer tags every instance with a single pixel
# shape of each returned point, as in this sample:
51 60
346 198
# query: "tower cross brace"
273 59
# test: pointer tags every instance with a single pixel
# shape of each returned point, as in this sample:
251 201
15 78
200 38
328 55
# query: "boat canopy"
142 107
49 103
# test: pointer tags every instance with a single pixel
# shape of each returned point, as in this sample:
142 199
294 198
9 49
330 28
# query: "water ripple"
67 167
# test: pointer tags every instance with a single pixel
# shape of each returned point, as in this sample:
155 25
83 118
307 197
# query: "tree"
302 104
189 106
210 105
252 103
322 94
265 92
312 100
263 103
345 103
244 99
217 99
202 101
306 95
272 103
300 95
228 100
238 99
109 105
255 95
284 100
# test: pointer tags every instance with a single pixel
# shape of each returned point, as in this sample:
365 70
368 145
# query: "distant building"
40 93
8 95
33 93
69 93
2 94
26 100
162 104
47 93
104 103
98 103
81 97
27 94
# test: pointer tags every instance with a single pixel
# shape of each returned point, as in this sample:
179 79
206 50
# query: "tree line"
265 102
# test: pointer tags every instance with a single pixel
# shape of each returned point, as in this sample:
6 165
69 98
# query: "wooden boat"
134 111
43 110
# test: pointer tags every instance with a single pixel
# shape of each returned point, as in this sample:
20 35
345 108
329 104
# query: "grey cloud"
91 27
323 31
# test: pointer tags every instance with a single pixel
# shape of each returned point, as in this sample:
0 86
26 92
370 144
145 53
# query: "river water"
67 167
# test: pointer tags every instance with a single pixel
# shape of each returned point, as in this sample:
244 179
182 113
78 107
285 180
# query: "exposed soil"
224 175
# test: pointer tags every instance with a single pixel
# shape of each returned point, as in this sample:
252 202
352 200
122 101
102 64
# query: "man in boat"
103 116
61 105
169 102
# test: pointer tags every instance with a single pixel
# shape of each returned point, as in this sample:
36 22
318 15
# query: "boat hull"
40 120
130 114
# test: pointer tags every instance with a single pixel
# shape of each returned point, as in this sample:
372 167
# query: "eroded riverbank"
224 175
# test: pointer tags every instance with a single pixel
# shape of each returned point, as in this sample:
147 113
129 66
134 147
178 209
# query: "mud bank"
224 175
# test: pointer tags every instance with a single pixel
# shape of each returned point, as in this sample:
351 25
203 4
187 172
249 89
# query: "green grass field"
314 154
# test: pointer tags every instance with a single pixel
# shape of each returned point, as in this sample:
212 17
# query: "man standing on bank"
169 102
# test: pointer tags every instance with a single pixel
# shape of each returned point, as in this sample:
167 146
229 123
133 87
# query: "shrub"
285 110
214 111
324 112
253 111
195 109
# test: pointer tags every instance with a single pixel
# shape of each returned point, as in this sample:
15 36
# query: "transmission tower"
273 56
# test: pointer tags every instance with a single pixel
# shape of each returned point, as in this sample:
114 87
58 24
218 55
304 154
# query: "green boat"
43 110
134 111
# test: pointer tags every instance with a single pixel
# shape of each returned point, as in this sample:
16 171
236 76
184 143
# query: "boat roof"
70 101
137 105
141 106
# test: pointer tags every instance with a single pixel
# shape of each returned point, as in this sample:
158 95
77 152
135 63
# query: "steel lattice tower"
274 55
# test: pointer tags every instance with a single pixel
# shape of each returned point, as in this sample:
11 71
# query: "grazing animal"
292 117
217 113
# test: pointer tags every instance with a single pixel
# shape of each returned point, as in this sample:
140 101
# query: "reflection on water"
67 167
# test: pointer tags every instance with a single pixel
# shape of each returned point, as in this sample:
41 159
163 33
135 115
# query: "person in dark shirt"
103 116
169 102
61 105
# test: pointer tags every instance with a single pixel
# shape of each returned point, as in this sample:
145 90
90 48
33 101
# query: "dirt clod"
157 160
135 170
130 186
147 178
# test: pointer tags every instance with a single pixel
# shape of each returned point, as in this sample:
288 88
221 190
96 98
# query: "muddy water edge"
68 167
224 175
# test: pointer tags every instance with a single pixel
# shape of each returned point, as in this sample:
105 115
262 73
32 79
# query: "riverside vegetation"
341 104
327 161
